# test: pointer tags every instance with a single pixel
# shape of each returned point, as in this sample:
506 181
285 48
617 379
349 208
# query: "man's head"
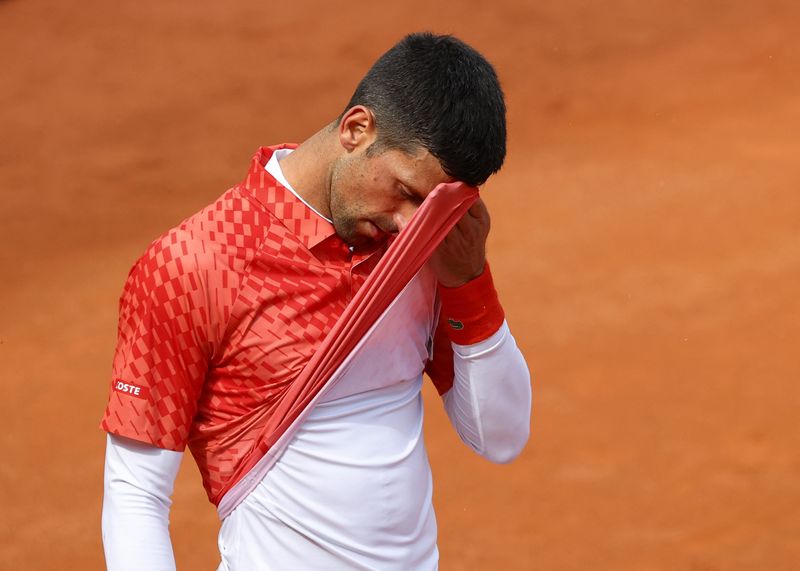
430 110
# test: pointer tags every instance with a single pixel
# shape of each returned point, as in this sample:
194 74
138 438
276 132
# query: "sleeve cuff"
471 312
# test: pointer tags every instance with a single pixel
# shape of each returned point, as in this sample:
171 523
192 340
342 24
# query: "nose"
400 221
404 214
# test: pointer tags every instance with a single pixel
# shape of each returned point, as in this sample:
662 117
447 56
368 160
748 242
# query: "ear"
357 128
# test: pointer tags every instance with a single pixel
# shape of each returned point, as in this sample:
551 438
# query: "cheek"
343 180
360 191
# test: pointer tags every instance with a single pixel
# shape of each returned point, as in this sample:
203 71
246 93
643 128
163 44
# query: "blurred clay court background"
646 245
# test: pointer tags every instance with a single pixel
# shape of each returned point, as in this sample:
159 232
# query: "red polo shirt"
222 312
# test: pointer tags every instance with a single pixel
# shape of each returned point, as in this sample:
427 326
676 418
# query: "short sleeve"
163 346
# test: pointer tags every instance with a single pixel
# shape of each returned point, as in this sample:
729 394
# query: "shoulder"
170 261
222 237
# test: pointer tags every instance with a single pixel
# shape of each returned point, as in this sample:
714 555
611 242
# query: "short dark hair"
439 93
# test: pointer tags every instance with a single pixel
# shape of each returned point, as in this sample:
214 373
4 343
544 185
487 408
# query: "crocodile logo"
455 324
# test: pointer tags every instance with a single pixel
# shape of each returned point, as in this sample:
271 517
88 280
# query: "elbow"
507 441
509 449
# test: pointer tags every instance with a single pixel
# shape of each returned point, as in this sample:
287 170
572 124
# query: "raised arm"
480 372
476 365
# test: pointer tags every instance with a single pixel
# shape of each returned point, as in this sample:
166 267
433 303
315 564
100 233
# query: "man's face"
373 195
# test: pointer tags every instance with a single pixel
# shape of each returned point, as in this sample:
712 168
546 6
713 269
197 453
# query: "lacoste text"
128 388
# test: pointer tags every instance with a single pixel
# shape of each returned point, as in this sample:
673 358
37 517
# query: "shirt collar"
310 227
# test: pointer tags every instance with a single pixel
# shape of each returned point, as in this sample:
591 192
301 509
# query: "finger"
472 223
483 213
478 208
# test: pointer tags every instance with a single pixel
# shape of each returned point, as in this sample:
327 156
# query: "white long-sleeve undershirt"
488 405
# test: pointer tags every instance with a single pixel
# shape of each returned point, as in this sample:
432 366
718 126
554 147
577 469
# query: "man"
221 314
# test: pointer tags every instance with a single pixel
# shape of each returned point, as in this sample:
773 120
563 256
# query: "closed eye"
408 195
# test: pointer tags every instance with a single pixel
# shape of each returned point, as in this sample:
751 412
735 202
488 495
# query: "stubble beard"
342 210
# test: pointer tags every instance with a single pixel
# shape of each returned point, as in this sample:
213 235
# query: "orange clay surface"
645 243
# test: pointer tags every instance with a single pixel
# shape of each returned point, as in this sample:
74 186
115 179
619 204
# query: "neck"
307 169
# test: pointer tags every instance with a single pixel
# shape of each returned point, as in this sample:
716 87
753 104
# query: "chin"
362 243
361 236
365 243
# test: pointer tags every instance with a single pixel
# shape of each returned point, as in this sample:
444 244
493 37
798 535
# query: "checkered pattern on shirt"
218 317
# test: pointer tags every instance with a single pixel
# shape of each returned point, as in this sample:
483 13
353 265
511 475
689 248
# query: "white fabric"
490 402
352 491
137 488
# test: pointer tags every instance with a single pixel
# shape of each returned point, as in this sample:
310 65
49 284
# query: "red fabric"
471 312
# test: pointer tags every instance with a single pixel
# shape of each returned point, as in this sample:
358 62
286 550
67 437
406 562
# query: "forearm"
138 484
490 401
480 372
